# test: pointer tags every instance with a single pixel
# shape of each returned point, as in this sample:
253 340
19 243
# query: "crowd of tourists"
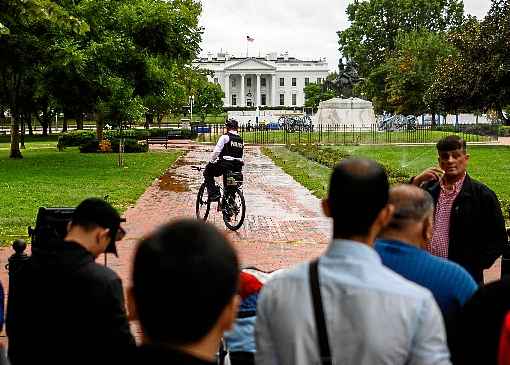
401 282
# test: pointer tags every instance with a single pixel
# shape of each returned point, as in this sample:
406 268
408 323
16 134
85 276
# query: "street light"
191 102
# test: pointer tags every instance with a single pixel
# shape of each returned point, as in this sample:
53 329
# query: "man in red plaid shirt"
469 227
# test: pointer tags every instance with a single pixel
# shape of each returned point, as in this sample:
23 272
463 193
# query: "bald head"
412 205
358 191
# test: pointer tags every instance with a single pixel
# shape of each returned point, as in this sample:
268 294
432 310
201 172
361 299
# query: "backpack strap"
318 310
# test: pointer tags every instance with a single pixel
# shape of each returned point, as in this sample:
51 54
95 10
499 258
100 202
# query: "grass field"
45 177
342 137
489 164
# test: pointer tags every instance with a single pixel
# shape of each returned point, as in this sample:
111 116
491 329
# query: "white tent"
352 111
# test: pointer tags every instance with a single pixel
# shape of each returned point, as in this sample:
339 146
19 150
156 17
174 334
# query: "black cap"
232 123
97 212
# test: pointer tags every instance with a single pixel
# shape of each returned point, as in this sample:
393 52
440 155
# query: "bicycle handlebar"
198 168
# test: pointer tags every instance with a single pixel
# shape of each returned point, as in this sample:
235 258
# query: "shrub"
89 146
130 146
138 134
75 138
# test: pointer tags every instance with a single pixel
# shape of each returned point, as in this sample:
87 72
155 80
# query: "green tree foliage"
478 77
315 93
409 71
375 25
208 99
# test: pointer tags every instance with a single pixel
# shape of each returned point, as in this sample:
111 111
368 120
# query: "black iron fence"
350 134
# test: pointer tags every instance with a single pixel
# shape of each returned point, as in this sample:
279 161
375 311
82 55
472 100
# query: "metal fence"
351 134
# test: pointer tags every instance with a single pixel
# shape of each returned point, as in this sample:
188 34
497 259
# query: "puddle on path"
173 181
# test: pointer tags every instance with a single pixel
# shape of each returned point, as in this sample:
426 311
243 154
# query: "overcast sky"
304 28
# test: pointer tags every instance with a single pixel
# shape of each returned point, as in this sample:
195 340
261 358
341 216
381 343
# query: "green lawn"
347 137
45 177
489 164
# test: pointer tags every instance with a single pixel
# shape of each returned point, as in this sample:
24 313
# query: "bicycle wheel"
203 204
234 209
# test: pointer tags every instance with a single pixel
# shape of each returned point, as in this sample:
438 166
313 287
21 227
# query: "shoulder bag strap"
318 310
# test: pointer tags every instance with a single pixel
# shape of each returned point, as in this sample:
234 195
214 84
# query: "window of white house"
294 81
294 99
233 82
319 80
307 80
282 99
234 99
263 99
215 80
282 81
248 82
262 81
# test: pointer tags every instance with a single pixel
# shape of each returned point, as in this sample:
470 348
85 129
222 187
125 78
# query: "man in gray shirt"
372 315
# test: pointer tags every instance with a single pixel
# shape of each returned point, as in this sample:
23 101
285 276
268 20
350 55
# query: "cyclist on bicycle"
227 156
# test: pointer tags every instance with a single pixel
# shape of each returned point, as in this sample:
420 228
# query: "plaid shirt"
438 245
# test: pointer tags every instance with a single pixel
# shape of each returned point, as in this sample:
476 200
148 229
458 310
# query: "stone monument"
351 111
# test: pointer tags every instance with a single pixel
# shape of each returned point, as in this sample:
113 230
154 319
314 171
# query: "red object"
249 285
504 343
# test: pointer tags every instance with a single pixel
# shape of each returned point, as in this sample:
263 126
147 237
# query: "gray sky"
304 28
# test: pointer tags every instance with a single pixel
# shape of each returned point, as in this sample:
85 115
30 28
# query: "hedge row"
478 129
88 142
330 157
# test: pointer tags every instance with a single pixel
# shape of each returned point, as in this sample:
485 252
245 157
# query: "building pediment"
250 64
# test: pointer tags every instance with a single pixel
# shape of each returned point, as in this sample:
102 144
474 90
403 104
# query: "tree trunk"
29 124
64 123
22 133
434 119
79 122
160 118
99 126
15 151
149 118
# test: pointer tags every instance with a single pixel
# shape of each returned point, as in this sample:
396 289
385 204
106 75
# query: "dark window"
282 81
215 80
294 81
248 82
307 80
319 80
233 82
294 99
263 81
263 99
234 99
282 99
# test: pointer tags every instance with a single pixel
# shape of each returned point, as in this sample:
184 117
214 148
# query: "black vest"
234 147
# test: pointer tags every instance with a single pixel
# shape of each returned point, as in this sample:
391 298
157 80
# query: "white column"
227 89
257 103
273 89
241 99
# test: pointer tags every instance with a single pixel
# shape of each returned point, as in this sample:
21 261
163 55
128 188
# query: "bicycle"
231 202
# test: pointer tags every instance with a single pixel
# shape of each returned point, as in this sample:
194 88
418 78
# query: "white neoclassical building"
263 81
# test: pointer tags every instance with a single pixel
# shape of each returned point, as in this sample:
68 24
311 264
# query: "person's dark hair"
451 143
411 203
94 212
232 124
184 276
358 191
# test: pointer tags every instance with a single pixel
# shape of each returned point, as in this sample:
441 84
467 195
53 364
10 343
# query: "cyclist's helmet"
231 123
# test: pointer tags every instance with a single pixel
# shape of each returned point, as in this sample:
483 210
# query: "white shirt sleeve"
429 343
219 147
266 352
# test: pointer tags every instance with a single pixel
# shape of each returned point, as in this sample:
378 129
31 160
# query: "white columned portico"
273 89
241 101
227 89
257 103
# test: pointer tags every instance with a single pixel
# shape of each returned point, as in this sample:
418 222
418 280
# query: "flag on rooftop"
249 39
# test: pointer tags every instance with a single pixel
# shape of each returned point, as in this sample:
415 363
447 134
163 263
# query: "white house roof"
249 64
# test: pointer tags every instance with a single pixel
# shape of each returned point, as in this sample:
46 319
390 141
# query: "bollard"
505 260
18 258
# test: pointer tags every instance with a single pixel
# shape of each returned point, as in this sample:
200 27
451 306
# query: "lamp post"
191 102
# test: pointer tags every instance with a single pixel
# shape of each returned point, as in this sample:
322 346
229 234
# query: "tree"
375 24
410 70
29 31
315 93
208 99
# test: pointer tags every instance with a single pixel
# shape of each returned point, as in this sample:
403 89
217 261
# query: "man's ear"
132 313
229 314
428 224
385 215
325 207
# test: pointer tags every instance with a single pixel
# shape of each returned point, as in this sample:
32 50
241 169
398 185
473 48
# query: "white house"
263 81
